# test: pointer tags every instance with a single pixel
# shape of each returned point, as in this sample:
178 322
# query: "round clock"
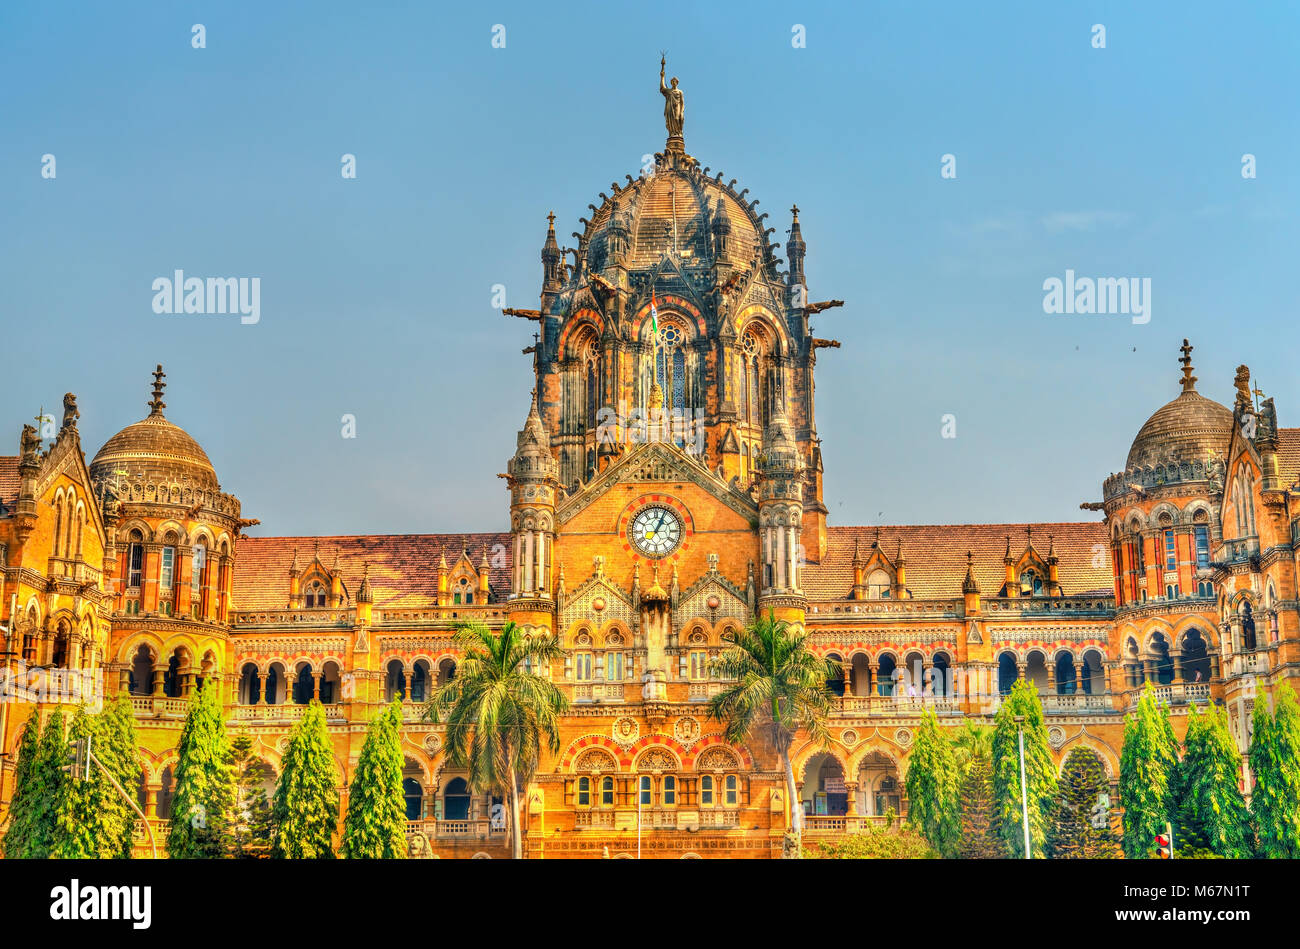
656 531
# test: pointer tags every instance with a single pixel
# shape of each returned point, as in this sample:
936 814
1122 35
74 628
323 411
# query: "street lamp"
1024 792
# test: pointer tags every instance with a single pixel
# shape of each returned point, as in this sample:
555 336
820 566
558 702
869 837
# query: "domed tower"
1162 517
531 476
676 282
170 556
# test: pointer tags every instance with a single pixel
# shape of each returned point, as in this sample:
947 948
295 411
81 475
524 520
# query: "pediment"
651 462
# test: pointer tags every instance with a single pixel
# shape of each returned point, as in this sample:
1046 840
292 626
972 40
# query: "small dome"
163 452
1187 429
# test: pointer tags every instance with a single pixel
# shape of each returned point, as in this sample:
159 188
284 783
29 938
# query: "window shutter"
625 786
744 790
568 793
686 791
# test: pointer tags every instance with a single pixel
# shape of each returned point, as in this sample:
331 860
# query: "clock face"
656 531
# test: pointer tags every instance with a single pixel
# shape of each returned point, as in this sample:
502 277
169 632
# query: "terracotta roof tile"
1288 455
403 567
10 482
936 557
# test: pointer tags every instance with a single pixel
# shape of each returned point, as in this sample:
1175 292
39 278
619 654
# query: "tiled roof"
936 557
403 567
1288 455
10 482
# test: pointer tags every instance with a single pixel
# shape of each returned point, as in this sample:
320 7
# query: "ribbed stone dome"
1187 429
155 451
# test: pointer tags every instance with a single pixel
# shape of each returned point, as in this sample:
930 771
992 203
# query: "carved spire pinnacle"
1189 380
968 585
156 405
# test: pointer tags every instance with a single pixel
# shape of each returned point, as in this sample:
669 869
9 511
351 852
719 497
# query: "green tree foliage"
1040 773
1211 811
1275 763
875 843
375 826
932 787
205 780
778 686
1083 826
305 810
499 711
1147 775
117 750
27 781
979 821
87 824
46 787
248 832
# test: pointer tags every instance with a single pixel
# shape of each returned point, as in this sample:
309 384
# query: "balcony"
598 692
1184 693
1079 702
159 706
479 828
284 712
703 691
845 824
897 704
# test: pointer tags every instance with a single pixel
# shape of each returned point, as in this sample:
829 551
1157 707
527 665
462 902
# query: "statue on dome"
674 102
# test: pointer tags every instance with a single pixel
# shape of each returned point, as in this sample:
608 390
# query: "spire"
552 272
795 248
968 585
1189 380
364 595
156 405
1006 558
1051 549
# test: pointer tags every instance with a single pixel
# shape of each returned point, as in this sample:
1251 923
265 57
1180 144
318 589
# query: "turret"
795 248
552 265
1009 572
970 590
780 516
532 476
365 598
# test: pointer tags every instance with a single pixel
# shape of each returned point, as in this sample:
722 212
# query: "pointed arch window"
314 596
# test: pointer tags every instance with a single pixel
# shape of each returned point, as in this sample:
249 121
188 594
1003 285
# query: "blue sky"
376 292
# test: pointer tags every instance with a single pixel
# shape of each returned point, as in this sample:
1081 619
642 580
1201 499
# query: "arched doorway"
1195 657
1008 672
823 793
835 681
455 800
879 787
250 686
395 681
1065 684
886 667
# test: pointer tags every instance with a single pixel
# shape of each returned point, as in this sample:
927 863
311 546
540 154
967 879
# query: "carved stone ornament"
626 731
686 730
903 736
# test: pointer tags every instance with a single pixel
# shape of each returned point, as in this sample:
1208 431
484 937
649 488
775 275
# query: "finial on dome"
794 210
156 405
550 221
1189 380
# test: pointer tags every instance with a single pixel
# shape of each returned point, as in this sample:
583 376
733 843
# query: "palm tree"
780 687
499 710
972 738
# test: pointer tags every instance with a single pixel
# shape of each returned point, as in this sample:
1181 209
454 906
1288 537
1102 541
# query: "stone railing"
703 691
719 817
598 692
594 820
158 706
1180 693
846 824
1078 702
896 704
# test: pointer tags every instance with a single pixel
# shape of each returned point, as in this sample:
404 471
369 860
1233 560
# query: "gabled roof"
936 557
403 567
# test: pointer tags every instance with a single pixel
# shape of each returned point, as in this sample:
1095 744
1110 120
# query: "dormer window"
314 596
878 585
1031 583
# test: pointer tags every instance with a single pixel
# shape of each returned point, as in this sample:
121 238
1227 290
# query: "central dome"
1189 428
674 208
155 450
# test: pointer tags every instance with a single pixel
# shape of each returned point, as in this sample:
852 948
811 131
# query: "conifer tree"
1212 813
1275 762
205 785
1040 773
932 787
118 751
306 806
85 823
46 786
375 826
248 833
22 802
1082 818
979 836
1147 775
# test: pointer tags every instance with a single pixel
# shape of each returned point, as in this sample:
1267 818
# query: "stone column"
159 671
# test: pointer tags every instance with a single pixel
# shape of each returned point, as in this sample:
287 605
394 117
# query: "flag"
654 318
